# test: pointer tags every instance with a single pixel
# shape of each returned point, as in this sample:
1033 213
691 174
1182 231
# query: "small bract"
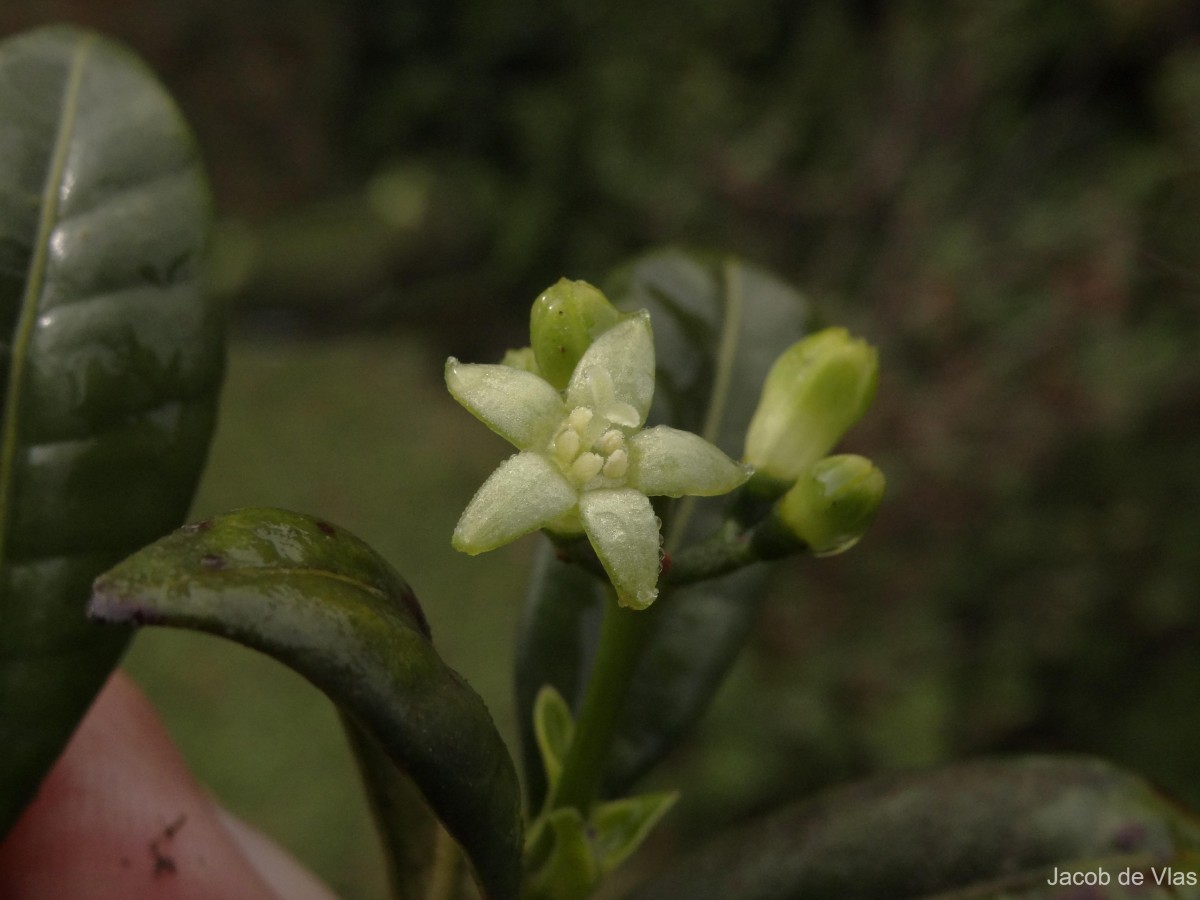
585 463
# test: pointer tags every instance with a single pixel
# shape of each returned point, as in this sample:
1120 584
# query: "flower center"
587 447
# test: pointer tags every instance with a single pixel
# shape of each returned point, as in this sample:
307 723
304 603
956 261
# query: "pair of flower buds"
574 404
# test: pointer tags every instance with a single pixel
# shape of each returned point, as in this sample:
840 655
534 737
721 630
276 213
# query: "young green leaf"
554 729
112 358
560 862
983 830
568 854
620 826
319 600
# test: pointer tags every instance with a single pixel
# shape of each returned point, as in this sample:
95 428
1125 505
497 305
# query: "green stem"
730 550
715 557
622 633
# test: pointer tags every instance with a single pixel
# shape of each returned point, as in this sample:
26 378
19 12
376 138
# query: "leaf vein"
29 304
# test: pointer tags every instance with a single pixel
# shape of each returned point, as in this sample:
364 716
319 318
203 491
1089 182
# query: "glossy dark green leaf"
991 829
718 325
324 603
110 362
407 829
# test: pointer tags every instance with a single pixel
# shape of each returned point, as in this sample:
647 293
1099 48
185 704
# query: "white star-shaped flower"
585 462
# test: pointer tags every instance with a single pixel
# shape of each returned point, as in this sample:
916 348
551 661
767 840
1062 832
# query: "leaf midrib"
718 398
29 300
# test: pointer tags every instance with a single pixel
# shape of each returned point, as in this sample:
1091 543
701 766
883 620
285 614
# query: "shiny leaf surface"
991 829
408 830
718 326
319 600
112 359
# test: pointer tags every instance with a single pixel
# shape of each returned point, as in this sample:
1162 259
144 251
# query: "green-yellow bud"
566 318
815 391
830 506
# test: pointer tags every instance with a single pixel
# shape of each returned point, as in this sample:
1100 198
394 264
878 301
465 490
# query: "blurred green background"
1004 197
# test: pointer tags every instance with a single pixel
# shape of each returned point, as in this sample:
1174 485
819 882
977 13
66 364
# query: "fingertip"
273 864
120 817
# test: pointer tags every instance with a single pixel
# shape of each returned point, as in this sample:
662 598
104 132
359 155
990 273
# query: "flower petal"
519 406
623 530
665 461
525 493
626 353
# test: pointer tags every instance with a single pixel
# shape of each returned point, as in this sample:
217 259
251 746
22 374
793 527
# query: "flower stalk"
623 633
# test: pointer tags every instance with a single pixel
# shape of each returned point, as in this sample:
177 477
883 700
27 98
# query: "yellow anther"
586 467
611 441
567 445
580 418
616 465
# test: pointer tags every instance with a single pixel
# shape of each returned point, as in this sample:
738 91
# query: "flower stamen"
616 465
586 467
567 446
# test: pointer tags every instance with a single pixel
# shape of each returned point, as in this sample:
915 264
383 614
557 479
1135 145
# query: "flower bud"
830 506
815 391
566 318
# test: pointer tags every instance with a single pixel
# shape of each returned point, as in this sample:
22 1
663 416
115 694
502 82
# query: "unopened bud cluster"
815 391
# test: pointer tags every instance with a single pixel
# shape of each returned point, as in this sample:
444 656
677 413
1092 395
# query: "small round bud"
831 505
565 319
815 391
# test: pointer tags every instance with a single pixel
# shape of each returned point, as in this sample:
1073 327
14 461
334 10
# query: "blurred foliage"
1004 197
